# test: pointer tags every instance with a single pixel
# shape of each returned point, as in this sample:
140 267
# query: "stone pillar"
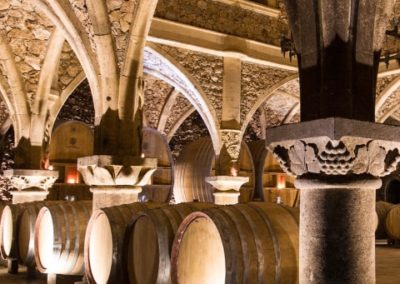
226 188
338 164
115 180
32 185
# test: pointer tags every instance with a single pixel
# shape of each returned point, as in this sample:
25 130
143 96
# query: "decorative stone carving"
338 147
227 188
115 180
110 171
231 139
24 179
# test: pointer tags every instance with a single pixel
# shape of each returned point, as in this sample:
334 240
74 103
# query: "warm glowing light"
51 168
72 175
143 156
234 172
71 180
278 200
281 182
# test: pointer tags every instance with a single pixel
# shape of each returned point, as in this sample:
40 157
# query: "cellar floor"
387 269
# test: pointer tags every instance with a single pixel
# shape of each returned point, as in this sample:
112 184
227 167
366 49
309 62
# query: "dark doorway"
393 191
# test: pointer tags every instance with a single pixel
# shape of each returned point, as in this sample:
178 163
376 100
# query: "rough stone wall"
253 130
7 162
383 82
69 66
392 100
191 129
79 106
120 13
224 18
28 32
277 108
4 113
155 95
180 106
81 12
206 69
256 80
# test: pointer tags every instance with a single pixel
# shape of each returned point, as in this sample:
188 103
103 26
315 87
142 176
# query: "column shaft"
337 235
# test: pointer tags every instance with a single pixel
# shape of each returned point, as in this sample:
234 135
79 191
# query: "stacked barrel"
134 243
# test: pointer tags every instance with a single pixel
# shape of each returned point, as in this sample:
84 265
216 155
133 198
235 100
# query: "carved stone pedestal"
115 180
338 163
226 188
32 185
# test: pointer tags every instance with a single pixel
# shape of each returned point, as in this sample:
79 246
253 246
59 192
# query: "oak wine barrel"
243 243
155 145
196 162
149 240
392 223
8 230
26 231
382 208
59 237
104 241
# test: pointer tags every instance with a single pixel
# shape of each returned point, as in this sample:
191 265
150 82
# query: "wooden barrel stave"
382 208
156 228
260 244
116 218
392 223
196 162
8 230
67 222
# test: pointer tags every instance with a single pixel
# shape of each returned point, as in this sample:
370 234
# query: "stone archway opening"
393 191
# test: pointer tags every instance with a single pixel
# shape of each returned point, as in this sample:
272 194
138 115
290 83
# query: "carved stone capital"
106 170
23 179
336 147
226 188
231 139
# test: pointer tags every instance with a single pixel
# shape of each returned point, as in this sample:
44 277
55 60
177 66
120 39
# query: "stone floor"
387 269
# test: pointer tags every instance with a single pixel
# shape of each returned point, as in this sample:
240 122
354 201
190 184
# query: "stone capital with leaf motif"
336 147
104 170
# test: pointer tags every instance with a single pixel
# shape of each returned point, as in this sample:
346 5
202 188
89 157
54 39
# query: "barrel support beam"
338 163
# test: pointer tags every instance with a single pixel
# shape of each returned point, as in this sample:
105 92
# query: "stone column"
115 180
338 164
226 188
31 185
